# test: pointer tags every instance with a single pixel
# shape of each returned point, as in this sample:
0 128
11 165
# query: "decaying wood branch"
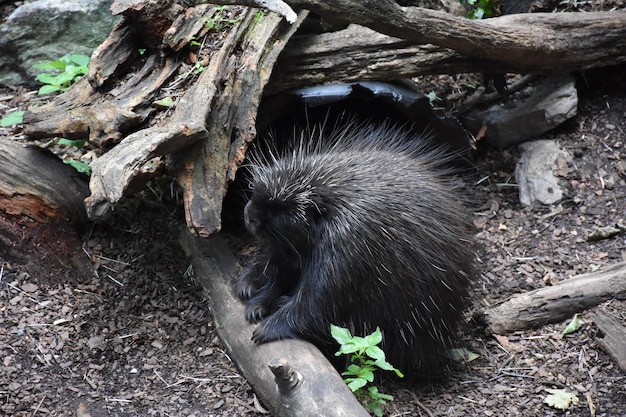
217 112
557 302
358 53
612 338
291 377
239 79
529 43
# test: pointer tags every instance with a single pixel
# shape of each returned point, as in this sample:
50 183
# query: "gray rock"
535 172
45 30
538 108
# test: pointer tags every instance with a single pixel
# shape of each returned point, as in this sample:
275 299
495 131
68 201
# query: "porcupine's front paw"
256 312
272 328
247 284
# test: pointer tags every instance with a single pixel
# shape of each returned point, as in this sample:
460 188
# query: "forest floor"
136 338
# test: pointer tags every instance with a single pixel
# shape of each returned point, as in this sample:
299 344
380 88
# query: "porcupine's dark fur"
365 232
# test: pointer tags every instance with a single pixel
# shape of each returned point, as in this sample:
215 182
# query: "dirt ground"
136 338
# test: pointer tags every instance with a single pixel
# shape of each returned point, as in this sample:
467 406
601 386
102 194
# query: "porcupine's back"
383 230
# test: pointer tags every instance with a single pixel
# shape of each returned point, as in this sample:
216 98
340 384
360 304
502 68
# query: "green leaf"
47 78
573 325
79 143
168 102
47 89
80 60
79 166
340 334
374 338
13 118
375 353
51 65
374 393
356 383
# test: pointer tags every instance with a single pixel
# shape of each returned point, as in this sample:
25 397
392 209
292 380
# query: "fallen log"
557 302
217 113
529 42
291 377
41 211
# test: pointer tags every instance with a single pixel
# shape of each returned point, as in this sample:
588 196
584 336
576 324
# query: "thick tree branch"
531 42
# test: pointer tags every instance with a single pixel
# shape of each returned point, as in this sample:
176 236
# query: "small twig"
27 295
420 405
160 377
113 260
38 406
114 280
119 400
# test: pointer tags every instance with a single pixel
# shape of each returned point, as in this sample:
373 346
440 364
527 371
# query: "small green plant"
217 21
79 166
366 358
194 43
481 8
12 119
61 73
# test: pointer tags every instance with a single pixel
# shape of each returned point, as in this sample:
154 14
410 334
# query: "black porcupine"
364 231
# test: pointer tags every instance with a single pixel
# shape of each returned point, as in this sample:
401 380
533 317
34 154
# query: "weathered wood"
614 335
557 302
217 112
532 42
97 109
291 377
358 53
40 211
529 43
239 80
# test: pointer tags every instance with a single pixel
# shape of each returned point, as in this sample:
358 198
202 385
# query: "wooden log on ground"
41 210
291 377
613 337
557 302
222 106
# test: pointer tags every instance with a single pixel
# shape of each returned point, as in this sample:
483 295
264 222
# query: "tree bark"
291 377
557 302
41 210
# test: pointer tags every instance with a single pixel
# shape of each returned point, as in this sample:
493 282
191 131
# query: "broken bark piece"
40 211
614 337
238 80
125 168
557 302
307 385
96 109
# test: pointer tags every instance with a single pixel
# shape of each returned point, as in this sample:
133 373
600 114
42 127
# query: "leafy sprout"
61 73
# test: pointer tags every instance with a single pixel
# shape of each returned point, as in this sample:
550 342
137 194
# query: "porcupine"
366 230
